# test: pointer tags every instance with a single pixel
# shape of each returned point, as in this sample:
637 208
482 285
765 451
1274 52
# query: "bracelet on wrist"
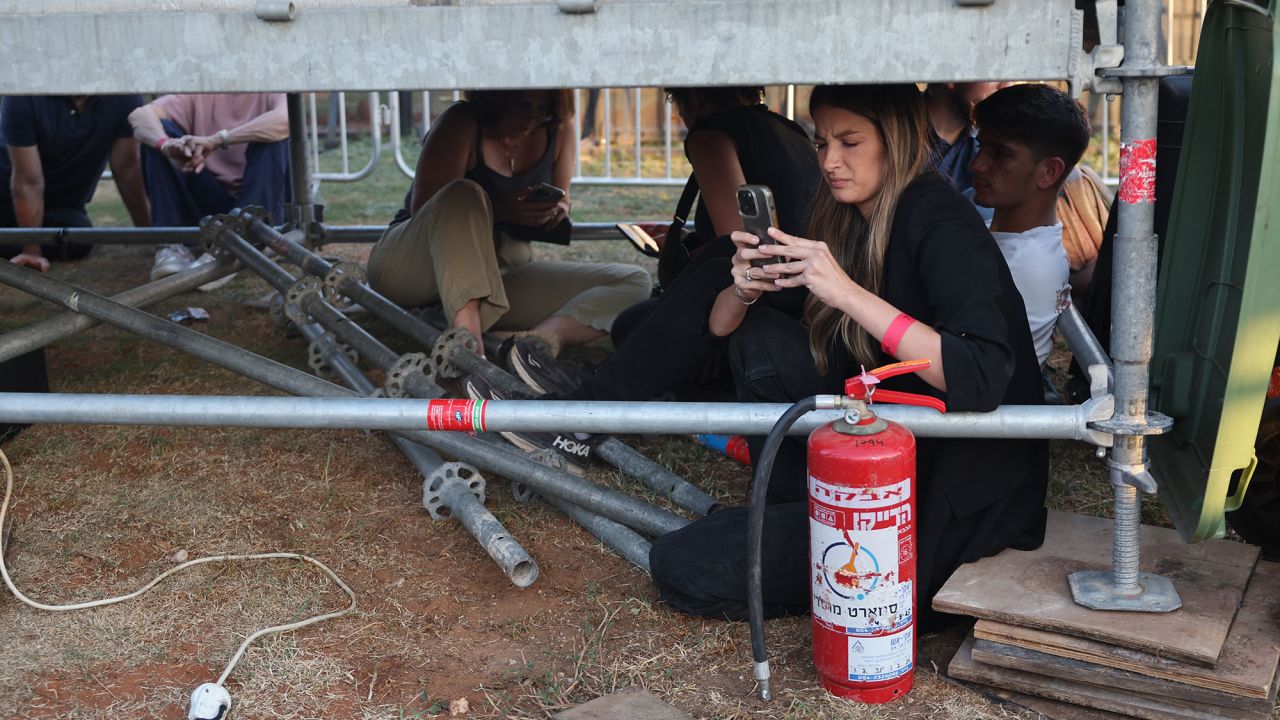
223 136
893 335
737 292
162 142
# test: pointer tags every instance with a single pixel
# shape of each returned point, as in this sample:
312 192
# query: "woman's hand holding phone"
515 208
807 263
749 280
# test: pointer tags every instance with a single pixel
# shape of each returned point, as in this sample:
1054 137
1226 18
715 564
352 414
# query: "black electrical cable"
755 536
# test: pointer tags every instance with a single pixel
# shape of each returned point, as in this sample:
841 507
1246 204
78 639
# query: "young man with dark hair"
1030 137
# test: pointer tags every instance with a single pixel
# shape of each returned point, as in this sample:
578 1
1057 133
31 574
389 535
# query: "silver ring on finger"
750 270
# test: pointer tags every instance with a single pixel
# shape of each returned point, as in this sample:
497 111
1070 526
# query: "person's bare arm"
270 126
148 131
27 188
562 172
145 122
445 153
127 172
715 165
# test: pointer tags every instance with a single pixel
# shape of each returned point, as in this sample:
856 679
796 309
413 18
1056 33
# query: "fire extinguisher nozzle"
762 680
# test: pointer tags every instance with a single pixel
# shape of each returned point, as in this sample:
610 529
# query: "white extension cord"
210 701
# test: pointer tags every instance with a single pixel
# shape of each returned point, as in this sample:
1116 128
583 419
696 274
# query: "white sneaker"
212 284
171 260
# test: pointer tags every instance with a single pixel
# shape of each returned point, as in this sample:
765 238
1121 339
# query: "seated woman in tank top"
462 237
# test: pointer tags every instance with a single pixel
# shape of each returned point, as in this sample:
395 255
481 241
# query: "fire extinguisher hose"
755 537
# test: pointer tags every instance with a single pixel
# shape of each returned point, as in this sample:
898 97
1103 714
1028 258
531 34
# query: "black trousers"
665 341
54 217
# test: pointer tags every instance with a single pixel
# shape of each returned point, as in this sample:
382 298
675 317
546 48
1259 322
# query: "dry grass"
100 510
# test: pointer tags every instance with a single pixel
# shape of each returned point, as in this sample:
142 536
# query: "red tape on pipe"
1138 172
456 415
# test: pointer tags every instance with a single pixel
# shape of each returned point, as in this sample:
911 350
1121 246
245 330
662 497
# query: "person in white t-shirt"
1030 138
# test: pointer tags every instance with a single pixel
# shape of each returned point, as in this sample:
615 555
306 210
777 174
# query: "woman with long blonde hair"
899 267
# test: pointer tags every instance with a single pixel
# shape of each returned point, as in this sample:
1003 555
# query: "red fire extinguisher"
862 528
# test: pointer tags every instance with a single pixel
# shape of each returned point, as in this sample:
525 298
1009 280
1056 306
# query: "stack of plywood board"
1215 657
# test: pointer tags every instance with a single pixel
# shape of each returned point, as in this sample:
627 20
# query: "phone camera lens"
747 203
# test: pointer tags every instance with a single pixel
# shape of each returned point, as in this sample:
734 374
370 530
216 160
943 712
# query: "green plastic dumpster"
1218 299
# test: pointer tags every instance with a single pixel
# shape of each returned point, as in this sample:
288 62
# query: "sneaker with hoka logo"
575 448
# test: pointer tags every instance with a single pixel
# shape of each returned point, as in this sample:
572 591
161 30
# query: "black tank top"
773 151
496 185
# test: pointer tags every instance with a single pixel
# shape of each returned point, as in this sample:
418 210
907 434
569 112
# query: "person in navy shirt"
56 149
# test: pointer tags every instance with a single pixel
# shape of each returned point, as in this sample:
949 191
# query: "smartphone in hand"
544 193
756 208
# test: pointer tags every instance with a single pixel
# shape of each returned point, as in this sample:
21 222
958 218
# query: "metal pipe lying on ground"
351 283
614 505
64 325
652 418
332 234
629 544
451 486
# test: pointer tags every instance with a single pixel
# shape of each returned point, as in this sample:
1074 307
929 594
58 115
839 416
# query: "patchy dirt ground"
100 510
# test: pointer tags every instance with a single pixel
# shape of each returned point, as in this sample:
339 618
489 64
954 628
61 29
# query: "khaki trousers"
446 252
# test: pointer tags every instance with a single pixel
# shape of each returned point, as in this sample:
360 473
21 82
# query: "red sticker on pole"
1138 172
456 415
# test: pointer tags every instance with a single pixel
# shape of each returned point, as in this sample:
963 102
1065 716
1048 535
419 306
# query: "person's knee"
460 195
672 567
636 283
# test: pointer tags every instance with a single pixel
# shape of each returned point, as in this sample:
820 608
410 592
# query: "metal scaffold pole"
300 171
1124 587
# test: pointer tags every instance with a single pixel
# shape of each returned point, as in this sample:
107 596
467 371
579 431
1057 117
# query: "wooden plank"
1052 709
1032 661
964 667
628 704
1030 588
1246 667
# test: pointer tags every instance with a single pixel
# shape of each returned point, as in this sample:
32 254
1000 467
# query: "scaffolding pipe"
1084 345
100 235
652 418
314 305
455 494
1132 336
182 234
64 325
627 543
624 541
614 505
610 450
303 207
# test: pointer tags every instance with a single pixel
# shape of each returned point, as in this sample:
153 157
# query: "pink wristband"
160 143
893 336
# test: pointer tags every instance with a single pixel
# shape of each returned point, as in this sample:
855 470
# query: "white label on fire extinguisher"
883 657
858 538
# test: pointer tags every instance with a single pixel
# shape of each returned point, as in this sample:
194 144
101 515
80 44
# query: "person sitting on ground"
899 267
733 139
206 154
57 147
950 107
1031 138
462 237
